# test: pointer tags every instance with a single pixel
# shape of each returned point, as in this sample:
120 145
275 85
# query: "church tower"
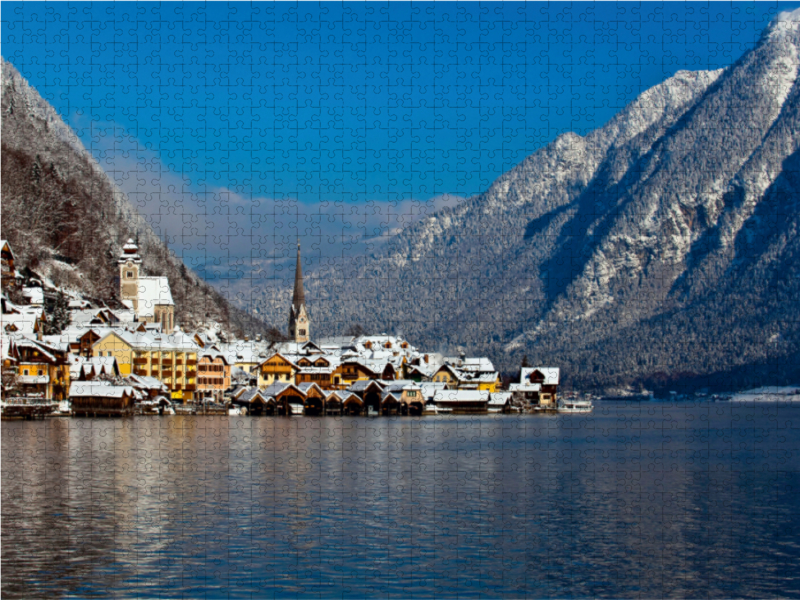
298 316
129 265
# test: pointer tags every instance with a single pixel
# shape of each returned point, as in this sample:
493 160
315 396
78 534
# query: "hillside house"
7 270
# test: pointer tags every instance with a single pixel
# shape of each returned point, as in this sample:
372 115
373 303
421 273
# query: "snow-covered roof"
97 365
153 291
306 386
35 295
399 385
154 341
337 341
251 394
471 364
276 388
363 384
145 382
24 321
445 396
44 349
524 387
428 389
499 398
99 389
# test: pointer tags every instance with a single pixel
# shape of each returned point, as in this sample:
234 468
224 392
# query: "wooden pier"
27 408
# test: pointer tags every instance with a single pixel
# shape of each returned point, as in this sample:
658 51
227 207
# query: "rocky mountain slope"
661 248
67 220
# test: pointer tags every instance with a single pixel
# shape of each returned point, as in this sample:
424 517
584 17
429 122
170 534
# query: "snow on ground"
769 394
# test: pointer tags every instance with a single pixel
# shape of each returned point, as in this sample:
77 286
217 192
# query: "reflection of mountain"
65 218
661 245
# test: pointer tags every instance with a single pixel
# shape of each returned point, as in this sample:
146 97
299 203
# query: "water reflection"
633 500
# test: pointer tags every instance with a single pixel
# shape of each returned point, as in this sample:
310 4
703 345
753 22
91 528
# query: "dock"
27 408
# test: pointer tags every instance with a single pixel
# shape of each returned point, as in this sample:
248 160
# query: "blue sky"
239 127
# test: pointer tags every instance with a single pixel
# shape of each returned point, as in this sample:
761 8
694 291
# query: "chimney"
426 359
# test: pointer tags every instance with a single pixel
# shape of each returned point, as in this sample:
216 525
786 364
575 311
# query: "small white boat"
296 409
575 406
371 412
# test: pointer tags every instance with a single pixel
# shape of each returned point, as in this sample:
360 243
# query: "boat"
575 405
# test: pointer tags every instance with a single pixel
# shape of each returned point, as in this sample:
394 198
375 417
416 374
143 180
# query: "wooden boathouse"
101 399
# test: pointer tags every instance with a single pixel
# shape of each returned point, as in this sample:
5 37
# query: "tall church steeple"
298 316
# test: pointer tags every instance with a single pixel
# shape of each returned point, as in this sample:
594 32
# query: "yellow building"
42 369
456 378
276 368
171 358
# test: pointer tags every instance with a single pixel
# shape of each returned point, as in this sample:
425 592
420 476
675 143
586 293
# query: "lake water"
634 500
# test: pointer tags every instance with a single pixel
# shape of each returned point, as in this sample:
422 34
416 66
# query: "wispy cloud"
248 242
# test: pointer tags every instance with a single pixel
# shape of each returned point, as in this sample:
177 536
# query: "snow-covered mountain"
663 246
66 219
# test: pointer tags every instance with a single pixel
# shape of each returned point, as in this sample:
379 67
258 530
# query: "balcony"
140 361
167 362
190 387
191 373
191 363
178 374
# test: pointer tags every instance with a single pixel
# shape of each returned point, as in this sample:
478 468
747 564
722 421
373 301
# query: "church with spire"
298 316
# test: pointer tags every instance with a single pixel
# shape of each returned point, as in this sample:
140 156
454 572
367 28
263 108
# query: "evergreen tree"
58 320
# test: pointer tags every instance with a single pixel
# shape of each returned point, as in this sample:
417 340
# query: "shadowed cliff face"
652 245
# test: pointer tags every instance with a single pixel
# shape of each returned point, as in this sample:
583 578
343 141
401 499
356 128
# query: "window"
302 332
24 371
40 372
129 274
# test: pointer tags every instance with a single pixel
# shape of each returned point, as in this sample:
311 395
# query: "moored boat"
575 405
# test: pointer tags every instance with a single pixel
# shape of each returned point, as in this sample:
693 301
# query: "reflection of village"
136 360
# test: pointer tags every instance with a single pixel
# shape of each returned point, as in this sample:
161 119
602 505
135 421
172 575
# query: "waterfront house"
171 358
213 373
276 368
314 398
461 401
538 386
256 402
499 402
101 398
289 399
370 392
42 369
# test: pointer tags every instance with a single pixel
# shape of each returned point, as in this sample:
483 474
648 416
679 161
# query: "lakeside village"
138 361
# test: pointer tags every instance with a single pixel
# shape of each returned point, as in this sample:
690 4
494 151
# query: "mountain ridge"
620 255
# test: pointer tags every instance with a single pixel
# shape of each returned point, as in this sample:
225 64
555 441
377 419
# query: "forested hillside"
67 220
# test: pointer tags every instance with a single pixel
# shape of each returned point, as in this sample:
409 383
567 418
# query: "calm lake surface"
634 500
